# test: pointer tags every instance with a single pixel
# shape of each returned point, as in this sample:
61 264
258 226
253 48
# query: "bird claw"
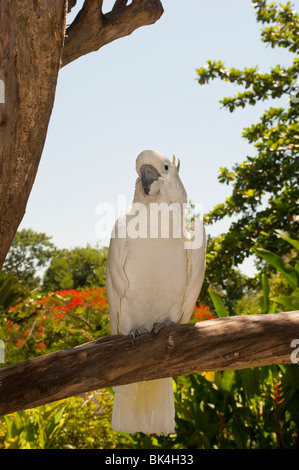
160 325
136 332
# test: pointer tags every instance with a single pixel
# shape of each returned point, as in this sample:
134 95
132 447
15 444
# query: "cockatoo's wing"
195 266
116 280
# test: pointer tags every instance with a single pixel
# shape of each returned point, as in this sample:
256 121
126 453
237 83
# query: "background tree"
265 189
35 44
30 252
76 268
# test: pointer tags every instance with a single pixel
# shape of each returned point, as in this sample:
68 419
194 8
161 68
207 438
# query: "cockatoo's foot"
136 332
160 325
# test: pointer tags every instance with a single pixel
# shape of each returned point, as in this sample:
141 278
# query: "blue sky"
140 92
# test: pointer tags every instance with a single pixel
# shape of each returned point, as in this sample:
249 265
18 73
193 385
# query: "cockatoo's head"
158 179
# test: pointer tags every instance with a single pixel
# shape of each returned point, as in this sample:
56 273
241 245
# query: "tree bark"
32 36
92 30
225 343
34 45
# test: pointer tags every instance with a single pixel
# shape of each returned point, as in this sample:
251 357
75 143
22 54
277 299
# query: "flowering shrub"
61 319
201 312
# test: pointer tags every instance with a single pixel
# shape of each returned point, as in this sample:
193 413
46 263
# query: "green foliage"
76 268
265 305
243 409
29 252
32 252
58 275
218 304
33 429
94 413
265 187
283 34
289 271
11 291
55 425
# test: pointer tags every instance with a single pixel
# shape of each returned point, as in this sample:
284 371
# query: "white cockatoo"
153 279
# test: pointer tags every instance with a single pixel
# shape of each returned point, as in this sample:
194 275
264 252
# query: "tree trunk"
32 49
225 343
32 36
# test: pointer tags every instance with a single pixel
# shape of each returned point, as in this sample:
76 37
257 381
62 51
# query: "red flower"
202 312
41 345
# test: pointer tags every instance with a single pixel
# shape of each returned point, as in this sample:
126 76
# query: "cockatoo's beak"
149 174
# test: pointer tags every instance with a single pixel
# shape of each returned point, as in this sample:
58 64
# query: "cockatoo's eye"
165 167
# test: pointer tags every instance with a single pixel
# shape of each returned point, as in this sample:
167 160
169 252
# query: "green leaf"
294 243
272 309
288 303
250 382
240 432
228 380
265 301
11 290
9 422
285 269
218 304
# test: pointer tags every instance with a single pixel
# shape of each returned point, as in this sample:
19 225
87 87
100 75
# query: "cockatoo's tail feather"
146 407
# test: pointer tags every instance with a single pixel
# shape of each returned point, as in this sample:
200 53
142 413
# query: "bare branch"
225 343
91 29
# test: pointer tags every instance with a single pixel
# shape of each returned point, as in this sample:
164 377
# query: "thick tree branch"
91 29
32 35
226 343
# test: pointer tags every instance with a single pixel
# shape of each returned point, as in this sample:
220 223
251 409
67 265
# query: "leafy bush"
76 269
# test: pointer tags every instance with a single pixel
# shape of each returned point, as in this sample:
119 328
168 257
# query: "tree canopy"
29 252
76 268
37 263
265 189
